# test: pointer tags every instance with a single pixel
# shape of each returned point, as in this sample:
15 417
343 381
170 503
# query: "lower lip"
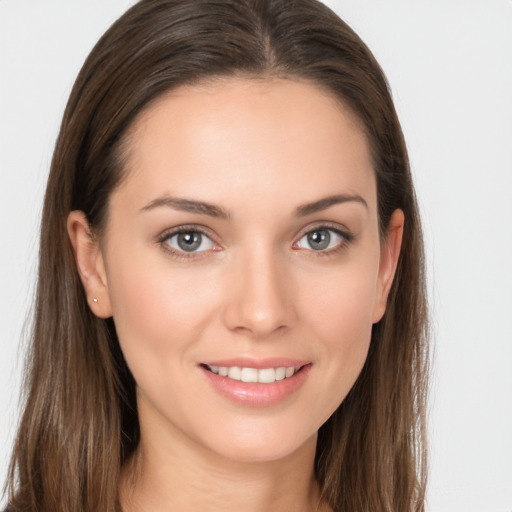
256 394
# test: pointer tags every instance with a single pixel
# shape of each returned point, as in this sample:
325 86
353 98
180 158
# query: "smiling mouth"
259 375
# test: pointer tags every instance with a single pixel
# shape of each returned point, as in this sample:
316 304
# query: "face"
243 244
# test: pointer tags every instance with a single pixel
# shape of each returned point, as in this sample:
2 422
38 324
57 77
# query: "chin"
259 441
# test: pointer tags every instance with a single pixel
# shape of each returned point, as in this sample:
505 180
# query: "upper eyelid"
184 228
334 226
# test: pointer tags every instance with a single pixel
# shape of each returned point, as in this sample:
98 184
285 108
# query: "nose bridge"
261 299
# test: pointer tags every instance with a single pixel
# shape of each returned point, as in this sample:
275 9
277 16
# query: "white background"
450 68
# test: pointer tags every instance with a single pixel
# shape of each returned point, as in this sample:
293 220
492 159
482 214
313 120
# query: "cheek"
341 316
157 312
342 303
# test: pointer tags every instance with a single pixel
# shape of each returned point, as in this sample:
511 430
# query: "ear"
389 255
90 265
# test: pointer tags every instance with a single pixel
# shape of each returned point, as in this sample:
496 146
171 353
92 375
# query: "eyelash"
346 239
164 238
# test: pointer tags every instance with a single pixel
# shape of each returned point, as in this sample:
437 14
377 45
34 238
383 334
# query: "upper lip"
247 362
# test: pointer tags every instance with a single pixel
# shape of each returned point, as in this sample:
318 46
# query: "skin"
259 150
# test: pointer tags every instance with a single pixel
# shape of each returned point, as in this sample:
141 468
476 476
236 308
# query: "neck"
181 475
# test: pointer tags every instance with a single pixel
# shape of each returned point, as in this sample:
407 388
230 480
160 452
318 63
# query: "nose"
260 296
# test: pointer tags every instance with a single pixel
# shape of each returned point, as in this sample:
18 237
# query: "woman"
230 307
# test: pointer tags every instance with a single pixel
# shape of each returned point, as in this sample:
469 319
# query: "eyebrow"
204 208
188 205
326 202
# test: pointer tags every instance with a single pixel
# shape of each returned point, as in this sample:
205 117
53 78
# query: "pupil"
189 241
319 240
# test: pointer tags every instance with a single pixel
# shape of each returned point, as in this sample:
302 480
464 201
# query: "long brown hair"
80 421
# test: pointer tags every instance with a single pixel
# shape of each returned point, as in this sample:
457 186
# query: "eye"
322 239
189 241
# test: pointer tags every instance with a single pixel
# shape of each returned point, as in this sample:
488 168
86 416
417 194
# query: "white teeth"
280 373
263 376
267 375
249 375
234 373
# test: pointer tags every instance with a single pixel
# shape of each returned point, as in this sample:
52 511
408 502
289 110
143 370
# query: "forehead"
248 138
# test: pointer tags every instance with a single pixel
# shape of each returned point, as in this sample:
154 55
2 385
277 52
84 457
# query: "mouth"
257 383
254 375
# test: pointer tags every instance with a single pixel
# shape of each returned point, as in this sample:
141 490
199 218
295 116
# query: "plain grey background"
449 64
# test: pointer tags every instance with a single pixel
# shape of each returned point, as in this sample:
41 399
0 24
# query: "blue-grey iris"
189 241
319 239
